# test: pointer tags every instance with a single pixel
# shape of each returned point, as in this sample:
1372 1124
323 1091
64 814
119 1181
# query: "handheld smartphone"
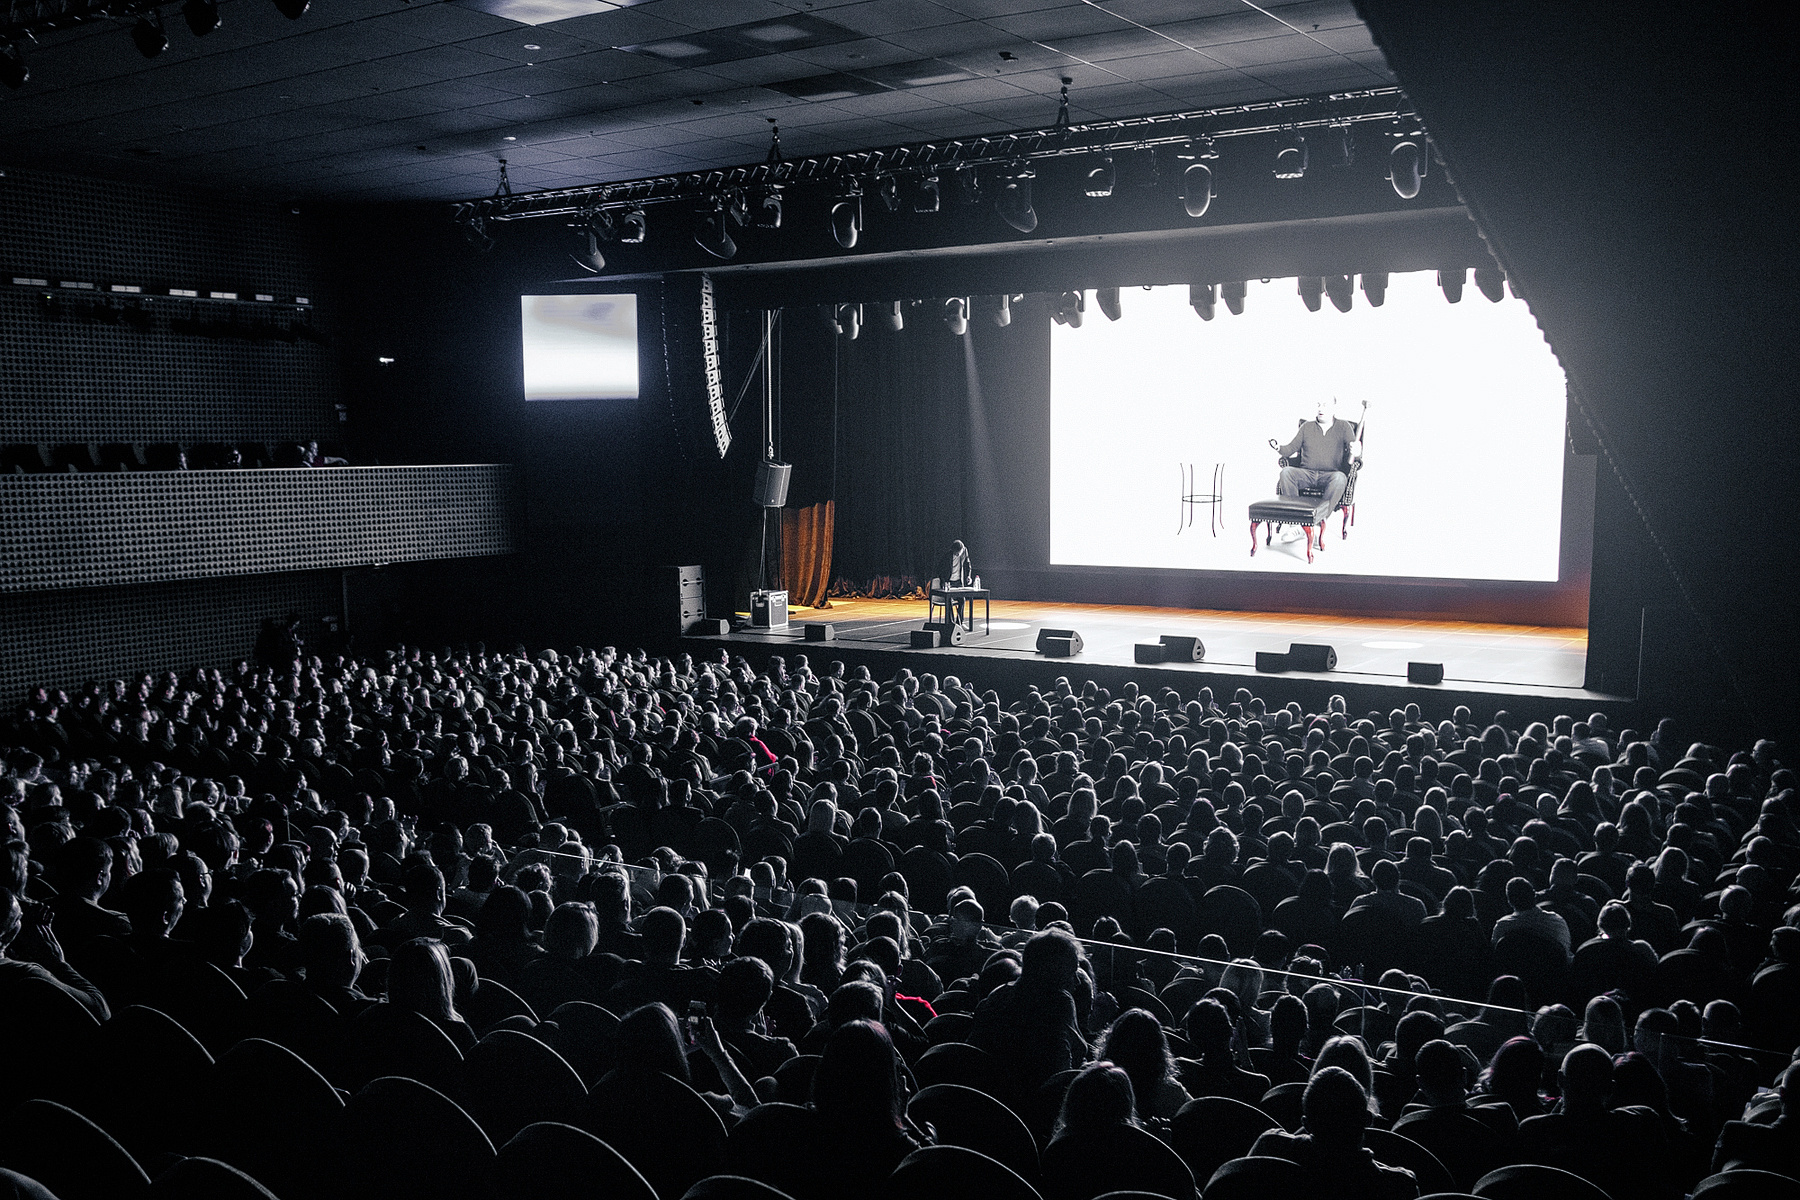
696 1013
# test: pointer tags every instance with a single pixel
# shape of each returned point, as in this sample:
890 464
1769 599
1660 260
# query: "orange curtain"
806 553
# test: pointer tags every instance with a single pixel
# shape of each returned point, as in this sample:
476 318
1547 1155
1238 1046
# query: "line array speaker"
1182 649
772 483
1058 643
1307 656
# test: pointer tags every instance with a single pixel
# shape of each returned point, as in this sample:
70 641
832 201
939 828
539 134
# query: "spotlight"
1452 283
1069 307
633 228
1375 287
1290 158
887 190
13 71
956 315
202 16
1312 288
1406 169
1204 297
1342 290
293 10
474 230
925 195
1108 299
1233 294
765 207
714 233
1102 177
999 309
1492 282
1014 202
149 36
588 257
968 185
849 320
1196 189
891 316
846 219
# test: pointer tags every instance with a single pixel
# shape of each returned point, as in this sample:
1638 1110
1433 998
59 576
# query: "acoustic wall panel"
105 530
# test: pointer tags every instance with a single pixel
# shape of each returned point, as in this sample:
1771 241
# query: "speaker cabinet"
1424 672
924 639
1058 643
768 610
1147 652
819 631
1307 656
772 483
1182 649
709 628
949 632
685 589
1268 661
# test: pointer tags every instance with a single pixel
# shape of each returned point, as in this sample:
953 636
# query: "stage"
1533 669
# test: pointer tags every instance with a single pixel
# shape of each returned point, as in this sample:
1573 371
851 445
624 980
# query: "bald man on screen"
1320 455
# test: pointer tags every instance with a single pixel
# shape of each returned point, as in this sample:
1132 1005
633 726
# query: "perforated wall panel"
75 370
65 638
79 531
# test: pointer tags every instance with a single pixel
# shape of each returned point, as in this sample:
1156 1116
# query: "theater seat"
955 1173
1257 1178
1747 1185
549 1159
69 1154
976 1121
207 1179
733 1187
1532 1181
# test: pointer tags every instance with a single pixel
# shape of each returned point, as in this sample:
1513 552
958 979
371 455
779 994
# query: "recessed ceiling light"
532 46
509 138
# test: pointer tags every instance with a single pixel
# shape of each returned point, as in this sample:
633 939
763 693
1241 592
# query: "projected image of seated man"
1323 449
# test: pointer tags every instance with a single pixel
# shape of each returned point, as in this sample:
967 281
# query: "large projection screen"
1462 447
579 347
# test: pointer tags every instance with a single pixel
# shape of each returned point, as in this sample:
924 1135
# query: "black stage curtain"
921 437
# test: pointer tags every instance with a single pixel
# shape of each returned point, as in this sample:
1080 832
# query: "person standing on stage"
960 572
1324 448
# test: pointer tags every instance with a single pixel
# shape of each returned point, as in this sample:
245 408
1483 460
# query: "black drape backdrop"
921 437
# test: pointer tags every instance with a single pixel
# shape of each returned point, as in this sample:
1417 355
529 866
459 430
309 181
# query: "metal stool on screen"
1190 498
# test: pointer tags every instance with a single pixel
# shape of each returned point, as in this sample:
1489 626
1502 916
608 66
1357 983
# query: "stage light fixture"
999 309
149 36
714 232
1452 283
968 185
1233 293
1014 202
1069 308
588 257
1406 169
926 195
1342 290
14 72
1108 300
293 10
1204 297
1312 290
956 315
202 16
1375 287
892 316
765 207
1196 189
633 228
1102 177
1492 282
887 190
474 229
849 320
846 218
1290 158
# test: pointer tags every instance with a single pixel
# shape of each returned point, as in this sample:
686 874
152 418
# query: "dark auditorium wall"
1635 177
69 372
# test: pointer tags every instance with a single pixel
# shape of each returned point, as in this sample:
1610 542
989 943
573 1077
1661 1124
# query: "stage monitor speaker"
1307 656
949 632
819 631
1182 649
1066 643
924 639
1424 672
1270 661
772 483
704 628
1147 652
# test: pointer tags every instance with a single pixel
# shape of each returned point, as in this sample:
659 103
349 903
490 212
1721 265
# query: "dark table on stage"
968 595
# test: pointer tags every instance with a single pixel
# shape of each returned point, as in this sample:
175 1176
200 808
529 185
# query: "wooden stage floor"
1498 658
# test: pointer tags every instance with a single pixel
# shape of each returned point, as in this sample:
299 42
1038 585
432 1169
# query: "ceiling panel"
339 102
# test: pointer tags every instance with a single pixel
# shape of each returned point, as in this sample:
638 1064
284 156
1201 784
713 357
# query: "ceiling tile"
879 17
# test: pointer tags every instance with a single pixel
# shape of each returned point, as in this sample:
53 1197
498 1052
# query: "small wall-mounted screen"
579 347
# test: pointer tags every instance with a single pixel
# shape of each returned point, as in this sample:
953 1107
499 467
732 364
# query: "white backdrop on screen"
1462 458
579 347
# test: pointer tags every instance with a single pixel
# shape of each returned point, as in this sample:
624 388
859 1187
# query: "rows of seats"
485 924
47 458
